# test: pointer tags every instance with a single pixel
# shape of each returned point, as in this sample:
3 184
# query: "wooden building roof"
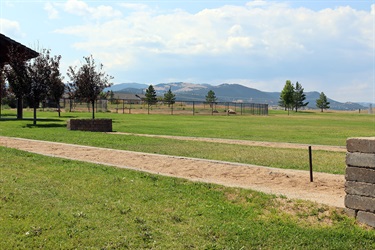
6 43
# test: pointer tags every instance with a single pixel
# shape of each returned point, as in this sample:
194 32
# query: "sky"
327 46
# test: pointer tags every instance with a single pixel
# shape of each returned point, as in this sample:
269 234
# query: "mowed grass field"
310 128
51 203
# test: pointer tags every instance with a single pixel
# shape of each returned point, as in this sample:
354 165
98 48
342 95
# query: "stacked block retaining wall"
360 179
96 125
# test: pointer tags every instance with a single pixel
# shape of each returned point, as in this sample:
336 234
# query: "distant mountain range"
225 93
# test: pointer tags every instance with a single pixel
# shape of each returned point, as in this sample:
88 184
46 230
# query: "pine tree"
169 97
151 95
299 97
322 102
211 98
287 96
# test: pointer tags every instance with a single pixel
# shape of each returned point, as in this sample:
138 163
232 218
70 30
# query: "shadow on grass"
31 119
48 125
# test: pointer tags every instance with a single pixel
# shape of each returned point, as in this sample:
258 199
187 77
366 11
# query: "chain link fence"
125 106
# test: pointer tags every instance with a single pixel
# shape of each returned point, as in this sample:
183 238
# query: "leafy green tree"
89 81
287 96
169 97
103 95
322 102
151 98
299 97
281 104
211 97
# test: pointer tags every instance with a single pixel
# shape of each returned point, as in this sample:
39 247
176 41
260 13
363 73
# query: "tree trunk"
34 122
70 105
58 107
19 108
93 109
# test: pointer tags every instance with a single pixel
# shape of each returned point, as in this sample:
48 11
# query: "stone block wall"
95 125
360 179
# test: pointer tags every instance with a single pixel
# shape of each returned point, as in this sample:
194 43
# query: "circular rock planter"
95 125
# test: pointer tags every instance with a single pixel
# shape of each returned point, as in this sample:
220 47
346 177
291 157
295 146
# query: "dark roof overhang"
6 43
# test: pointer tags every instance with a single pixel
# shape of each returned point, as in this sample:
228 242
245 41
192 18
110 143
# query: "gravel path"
326 189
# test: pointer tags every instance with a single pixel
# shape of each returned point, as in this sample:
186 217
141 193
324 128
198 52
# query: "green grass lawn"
302 127
305 127
53 203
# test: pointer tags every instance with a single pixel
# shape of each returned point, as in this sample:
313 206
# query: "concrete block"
97 125
360 174
351 212
361 144
360 188
360 160
366 218
360 203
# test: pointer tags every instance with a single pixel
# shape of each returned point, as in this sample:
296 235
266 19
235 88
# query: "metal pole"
311 167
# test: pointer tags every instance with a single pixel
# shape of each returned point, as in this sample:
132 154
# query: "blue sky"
327 46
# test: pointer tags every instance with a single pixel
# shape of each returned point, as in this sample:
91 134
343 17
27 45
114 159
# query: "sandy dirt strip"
326 189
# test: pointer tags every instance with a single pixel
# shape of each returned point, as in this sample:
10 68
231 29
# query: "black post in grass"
311 167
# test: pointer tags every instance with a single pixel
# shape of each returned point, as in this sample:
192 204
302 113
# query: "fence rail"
126 106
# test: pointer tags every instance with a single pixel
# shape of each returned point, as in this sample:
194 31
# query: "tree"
70 91
111 96
211 97
44 78
3 90
322 102
169 97
299 97
287 96
18 78
89 81
151 98
57 87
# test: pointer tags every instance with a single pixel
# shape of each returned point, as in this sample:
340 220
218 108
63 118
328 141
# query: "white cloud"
77 7
51 10
262 41
103 11
256 3
81 8
10 28
134 6
274 34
